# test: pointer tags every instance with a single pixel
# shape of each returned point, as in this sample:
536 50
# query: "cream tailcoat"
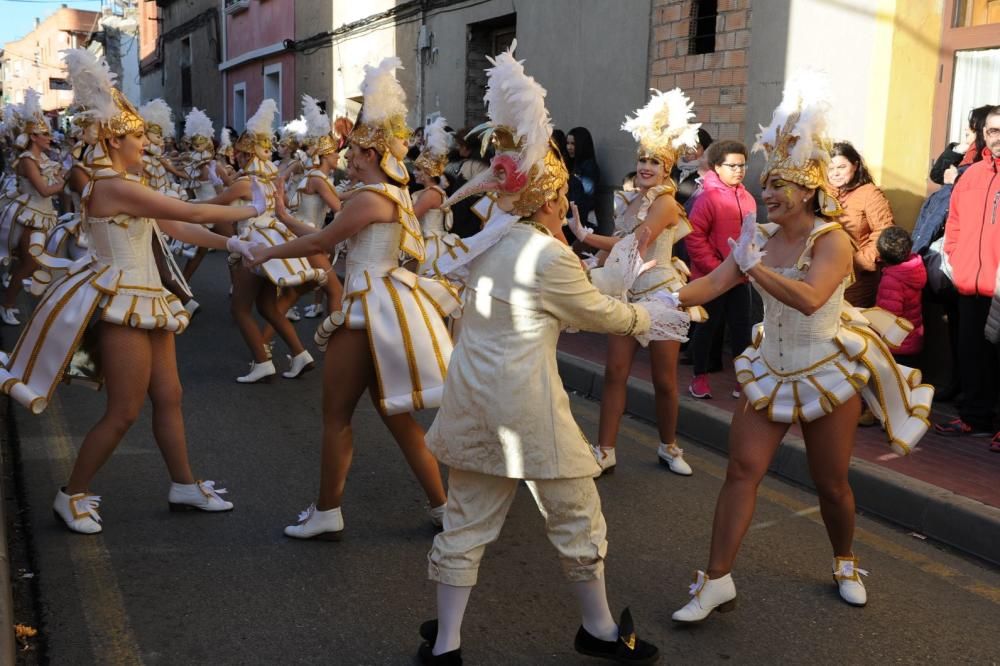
504 411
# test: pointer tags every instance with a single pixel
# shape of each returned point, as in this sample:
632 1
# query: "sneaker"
9 316
699 387
605 456
957 428
736 393
293 314
313 311
672 456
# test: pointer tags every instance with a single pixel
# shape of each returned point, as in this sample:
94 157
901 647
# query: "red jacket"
717 216
972 232
900 291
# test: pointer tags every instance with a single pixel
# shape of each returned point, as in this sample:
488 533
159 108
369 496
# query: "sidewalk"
948 489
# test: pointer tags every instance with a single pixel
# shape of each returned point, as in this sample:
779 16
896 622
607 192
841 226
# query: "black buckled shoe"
426 656
628 649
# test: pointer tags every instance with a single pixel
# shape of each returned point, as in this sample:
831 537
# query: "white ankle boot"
436 514
672 456
201 495
78 511
708 595
605 456
9 316
323 525
301 364
258 372
847 575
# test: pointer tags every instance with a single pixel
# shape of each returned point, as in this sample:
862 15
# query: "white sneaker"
189 251
78 511
192 306
6 280
323 525
846 575
293 314
301 364
201 495
313 311
605 456
437 514
672 456
9 316
258 372
708 595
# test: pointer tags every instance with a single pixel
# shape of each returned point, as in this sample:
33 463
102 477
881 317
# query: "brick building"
33 61
702 48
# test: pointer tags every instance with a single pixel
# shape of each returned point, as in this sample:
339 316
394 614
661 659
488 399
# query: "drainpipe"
225 73
423 45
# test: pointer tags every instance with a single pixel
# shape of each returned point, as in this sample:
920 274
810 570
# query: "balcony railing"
237 6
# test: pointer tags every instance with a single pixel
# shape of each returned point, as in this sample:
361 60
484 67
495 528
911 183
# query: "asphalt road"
163 588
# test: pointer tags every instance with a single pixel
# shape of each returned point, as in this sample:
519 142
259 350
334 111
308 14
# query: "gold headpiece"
663 128
528 170
32 116
795 144
158 117
318 139
259 131
434 157
382 122
126 121
94 91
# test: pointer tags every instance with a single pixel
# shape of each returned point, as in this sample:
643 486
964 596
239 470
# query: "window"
272 87
702 35
969 13
185 62
240 107
977 78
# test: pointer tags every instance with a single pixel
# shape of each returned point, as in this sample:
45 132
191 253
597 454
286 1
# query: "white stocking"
597 620
451 602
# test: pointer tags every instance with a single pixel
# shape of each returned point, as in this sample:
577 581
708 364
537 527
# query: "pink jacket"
716 217
900 291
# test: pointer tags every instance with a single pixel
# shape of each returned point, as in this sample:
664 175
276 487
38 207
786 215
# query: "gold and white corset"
138 298
312 208
37 211
801 367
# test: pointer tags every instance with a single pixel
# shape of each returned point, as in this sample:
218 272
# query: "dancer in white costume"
203 180
812 354
390 337
663 129
505 416
67 239
29 217
316 196
137 317
256 287
428 206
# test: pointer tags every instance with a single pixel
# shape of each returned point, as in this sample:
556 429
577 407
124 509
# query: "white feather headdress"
795 143
157 112
317 122
93 84
663 126
384 98
225 140
437 142
197 123
294 129
262 122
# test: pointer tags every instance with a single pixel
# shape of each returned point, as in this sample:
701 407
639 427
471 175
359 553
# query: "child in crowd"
901 287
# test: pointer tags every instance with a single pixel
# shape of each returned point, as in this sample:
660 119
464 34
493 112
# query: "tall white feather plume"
803 113
225 139
262 122
664 122
295 129
516 101
92 82
196 123
157 112
384 97
32 106
436 138
317 122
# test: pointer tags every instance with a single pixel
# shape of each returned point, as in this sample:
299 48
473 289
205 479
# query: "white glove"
745 251
241 247
621 268
590 261
258 198
666 322
576 226
213 176
669 298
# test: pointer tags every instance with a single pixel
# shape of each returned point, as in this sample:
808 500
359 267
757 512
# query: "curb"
8 643
959 522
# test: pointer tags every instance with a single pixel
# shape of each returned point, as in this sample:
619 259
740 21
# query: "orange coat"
866 214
